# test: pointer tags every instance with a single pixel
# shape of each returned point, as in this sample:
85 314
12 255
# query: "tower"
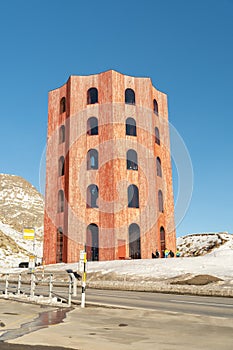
108 170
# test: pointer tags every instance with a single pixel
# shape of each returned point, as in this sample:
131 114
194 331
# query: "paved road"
97 328
208 306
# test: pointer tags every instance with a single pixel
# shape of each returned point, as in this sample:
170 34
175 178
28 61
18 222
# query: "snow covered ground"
217 261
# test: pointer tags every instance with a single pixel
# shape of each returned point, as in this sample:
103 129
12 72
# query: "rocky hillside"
21 205
203 243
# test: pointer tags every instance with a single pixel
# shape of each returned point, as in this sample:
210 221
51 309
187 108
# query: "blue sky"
186 47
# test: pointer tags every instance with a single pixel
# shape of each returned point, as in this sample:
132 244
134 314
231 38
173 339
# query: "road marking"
200 303
120 296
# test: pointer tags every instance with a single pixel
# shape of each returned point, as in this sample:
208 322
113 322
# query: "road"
151 320
206 306
97 328
187 304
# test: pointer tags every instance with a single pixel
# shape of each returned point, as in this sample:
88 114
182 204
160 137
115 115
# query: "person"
177 253
171 253
166 253
156 254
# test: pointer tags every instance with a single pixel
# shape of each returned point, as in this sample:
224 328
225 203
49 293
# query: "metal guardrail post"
7 284
33 284
74 285
19 284
70 291
50 285
43 268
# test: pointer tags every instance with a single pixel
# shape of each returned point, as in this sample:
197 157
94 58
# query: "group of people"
166 254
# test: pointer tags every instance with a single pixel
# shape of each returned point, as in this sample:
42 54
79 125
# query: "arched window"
130 96
157 136
62 134
59 255
132 160
162 234
61 166
92 96
60 207
134 242
92 196
130 127
92 159
92 126
92 242
155 105
160 198
162 240
158 167
133 196
63 105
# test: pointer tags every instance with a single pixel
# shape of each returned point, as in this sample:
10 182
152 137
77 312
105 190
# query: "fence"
42 285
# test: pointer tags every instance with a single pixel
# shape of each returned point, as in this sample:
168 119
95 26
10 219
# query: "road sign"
82 260
29 233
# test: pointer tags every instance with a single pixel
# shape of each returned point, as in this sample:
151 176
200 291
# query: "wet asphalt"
31 327
7 346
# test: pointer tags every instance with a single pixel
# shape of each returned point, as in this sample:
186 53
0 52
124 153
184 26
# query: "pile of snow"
215 264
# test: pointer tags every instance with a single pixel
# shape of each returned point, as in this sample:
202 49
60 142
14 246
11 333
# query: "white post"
34 246
43 262
50 285
74 285
70 291
33 285
19 283
84 280
83 295
7 284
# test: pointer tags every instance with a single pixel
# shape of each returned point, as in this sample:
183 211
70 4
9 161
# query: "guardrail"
42 285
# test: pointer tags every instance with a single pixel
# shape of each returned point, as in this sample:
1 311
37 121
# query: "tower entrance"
134 242
92 242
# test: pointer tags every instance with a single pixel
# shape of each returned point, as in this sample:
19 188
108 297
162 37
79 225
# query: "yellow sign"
29 233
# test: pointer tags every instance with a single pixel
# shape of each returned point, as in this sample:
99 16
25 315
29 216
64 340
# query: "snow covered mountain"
21 205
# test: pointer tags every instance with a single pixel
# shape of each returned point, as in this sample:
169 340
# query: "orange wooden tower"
108 170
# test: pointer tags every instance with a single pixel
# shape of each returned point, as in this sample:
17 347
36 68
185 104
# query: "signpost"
29 235
32 264
82 268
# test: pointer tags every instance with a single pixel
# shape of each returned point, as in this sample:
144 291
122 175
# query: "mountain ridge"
21 205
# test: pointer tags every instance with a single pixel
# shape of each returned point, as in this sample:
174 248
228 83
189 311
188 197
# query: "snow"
217 261
219 265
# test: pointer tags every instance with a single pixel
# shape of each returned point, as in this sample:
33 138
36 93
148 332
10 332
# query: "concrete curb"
212 289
